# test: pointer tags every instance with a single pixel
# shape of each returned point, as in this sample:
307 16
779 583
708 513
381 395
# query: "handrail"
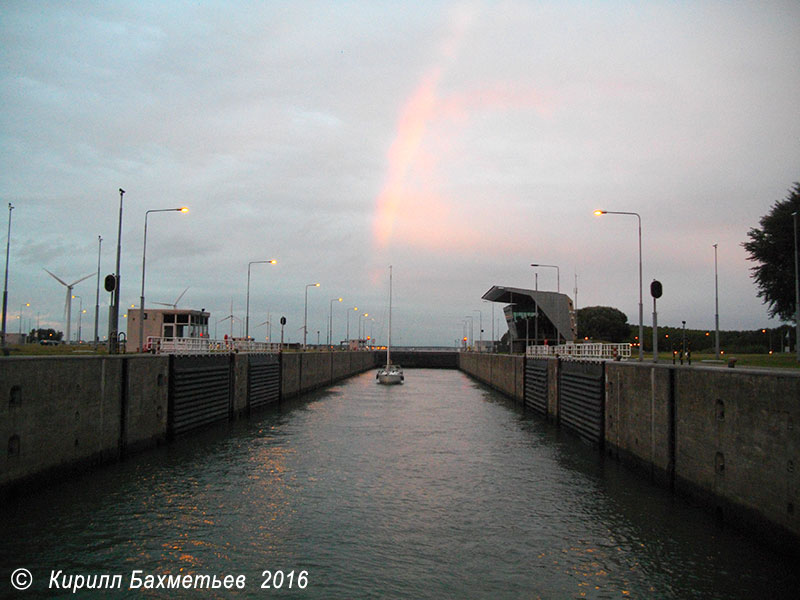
162 345
590 351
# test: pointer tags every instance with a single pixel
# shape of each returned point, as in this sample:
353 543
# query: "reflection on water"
435 489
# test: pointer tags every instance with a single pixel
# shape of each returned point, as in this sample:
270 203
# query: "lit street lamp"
641 307
247 311
305 314
182 209
80 312
21 308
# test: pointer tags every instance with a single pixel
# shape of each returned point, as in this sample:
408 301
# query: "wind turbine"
175 304
232 317
68 303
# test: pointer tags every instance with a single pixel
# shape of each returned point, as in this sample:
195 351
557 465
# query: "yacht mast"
389 345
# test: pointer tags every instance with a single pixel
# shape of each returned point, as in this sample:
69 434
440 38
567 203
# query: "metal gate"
581 398
263 379
200 391
536 385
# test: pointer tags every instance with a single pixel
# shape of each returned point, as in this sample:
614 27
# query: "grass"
62 350
778 360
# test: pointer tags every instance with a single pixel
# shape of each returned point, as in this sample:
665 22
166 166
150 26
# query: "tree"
772 249
603 323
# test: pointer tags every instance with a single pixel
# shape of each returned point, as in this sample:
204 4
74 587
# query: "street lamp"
480 328
80 312
113 311
330 321
716 304
5 285
796 290
182 209
641 308
21 308
247 312
355 309
97 296
558 274
305 314
361 325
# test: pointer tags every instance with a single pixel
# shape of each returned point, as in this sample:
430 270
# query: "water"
435 489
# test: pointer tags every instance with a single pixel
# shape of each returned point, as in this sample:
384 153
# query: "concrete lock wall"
63 414
503 372
729 439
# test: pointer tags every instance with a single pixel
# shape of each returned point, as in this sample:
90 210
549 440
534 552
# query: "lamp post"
716 304
362 327
182 209
305 314
641 307
80 312
21 308
330 321
558 274
113 311
5 285
247 310
480 328
471 329
355 309
97 296
796 290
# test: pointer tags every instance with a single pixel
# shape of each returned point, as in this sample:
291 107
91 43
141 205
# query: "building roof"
556 306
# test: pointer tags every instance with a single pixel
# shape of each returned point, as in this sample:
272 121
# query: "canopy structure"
535 317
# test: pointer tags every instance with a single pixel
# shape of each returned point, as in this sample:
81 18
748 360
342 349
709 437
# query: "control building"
535 317
167 323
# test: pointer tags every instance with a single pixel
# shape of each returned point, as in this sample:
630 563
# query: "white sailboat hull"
390 375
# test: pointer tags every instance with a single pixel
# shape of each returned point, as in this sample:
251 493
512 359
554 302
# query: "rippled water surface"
435 489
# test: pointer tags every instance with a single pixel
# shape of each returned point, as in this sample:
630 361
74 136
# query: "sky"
459 142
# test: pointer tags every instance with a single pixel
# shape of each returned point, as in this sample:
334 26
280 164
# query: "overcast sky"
458 141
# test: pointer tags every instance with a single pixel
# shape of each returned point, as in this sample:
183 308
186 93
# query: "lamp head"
184 209
599 212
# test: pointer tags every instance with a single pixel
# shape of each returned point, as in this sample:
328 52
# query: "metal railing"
591 351
161 345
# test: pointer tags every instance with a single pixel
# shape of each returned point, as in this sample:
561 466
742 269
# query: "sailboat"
390 374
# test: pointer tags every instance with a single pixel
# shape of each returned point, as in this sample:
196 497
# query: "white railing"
582 351
161 345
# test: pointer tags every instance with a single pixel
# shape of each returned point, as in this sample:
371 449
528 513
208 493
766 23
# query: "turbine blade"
61 281
81 279
181 296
